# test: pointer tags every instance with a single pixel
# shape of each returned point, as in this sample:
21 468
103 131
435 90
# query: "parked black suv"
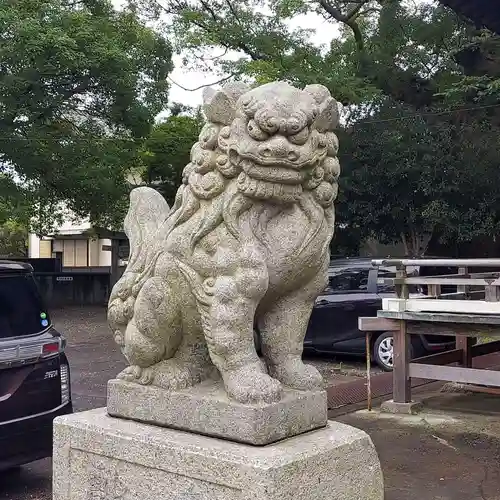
352 292
34 371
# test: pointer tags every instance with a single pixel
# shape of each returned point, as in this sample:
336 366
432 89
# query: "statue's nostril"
266 152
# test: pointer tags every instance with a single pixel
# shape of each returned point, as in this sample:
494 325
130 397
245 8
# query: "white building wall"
33 246
104 255
97 256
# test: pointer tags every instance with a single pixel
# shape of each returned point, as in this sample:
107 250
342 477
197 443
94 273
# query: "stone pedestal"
206 409
99 457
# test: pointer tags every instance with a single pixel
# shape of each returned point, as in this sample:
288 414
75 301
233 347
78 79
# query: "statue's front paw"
250 385
296 374
134 373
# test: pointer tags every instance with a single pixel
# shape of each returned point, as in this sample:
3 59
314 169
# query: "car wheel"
383 351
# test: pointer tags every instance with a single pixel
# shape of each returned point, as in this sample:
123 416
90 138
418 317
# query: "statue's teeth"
262 189
252 185
278 190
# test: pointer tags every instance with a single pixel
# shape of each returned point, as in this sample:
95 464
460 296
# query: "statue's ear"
235 89
328 110
319 92
218 106
328 116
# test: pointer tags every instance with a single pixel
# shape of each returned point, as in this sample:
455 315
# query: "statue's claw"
250 385
296 374
143 376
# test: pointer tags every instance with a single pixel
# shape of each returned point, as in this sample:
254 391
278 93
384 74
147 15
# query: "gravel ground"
94 359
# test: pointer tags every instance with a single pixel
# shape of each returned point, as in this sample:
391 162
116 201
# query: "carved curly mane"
210 180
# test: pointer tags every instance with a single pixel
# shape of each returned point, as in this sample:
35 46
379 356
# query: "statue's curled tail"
147 213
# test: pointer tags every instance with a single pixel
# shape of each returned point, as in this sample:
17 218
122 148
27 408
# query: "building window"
75 253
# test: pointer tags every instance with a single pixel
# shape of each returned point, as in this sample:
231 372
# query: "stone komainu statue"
246 244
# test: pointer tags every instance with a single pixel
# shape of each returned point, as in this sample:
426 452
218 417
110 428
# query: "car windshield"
21 309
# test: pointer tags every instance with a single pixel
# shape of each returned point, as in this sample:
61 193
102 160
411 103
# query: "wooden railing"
476 293
472 311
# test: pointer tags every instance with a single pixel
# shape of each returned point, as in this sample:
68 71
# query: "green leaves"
411 168
80 84
407 175
167 151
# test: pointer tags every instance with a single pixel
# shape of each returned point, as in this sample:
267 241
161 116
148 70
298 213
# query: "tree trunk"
415 243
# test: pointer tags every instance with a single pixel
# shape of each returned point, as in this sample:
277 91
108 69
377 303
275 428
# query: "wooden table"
472 312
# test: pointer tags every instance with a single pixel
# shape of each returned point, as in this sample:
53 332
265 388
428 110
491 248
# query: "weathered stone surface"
206 409
246 242
97 457
411 408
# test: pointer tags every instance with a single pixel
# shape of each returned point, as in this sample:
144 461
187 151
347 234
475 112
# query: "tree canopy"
420 88
408 178
480 12
167 150
79 83
398 48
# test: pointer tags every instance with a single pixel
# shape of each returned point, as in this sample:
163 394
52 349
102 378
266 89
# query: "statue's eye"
300 138
255 132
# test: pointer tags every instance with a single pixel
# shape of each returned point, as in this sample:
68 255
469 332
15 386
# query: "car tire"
383 353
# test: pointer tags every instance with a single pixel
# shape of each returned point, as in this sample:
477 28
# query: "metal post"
368 372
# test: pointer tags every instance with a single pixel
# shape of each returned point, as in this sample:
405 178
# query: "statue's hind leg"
191 363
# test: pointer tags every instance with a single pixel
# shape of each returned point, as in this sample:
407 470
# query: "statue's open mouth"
280 171
268 190
278 162
281 175
278 180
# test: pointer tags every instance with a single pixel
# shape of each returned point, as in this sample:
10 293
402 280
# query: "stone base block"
411 408
206 409
99 457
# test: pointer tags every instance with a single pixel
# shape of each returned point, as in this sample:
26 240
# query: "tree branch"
332 11
233 11
348 20
356 10
222 80
209 9
241 45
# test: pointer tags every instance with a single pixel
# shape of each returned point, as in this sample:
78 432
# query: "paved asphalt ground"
94 359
